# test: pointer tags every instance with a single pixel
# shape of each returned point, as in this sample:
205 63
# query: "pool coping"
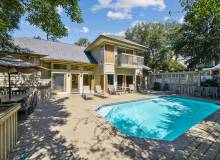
179 138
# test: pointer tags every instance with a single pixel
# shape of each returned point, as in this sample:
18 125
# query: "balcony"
129 61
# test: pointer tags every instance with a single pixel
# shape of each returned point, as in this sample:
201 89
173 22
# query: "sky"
109 17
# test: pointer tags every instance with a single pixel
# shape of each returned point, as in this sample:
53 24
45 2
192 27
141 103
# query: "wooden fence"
191 90
8 129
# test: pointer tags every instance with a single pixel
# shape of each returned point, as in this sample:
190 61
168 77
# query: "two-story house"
109 60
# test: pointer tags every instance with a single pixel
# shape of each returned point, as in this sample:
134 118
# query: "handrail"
8 129
126 59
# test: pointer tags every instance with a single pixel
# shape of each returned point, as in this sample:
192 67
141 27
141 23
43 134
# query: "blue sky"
109 17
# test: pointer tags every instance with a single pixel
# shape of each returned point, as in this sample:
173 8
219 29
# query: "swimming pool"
162 118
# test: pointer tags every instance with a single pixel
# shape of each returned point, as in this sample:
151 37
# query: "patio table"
14 98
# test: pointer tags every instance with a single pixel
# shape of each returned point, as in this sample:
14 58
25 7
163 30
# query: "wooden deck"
69 128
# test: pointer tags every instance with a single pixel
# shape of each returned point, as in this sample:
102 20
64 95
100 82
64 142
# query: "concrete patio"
67 127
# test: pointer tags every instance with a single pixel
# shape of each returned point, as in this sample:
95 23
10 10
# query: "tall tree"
201 31
82 42
159 40
40 13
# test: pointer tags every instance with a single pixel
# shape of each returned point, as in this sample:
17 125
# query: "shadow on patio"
36 140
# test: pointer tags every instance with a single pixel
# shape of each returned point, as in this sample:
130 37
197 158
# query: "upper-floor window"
124 50
59 66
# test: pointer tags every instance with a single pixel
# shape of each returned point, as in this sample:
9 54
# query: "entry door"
59 82
75 83
120 80
129 80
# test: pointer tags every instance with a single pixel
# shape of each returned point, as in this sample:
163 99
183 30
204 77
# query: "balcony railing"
126 60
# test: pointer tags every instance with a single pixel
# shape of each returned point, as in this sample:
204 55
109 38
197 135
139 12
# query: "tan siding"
109 54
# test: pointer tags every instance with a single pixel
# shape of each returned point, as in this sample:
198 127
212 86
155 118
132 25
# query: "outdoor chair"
144 90
111 89
18 92
131 88
99 92
87 94
119 90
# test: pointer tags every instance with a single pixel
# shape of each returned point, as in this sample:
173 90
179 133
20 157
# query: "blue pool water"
163 118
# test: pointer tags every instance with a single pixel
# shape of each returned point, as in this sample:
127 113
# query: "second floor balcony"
130 61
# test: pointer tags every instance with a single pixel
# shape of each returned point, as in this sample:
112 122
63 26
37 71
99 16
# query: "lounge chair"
99 92
131 88
111 89
87 94
144 90
119 90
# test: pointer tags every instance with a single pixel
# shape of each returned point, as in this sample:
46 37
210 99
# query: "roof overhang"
67 61
107 40
22 54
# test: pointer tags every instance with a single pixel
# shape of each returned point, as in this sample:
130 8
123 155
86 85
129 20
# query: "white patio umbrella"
9 64
146 67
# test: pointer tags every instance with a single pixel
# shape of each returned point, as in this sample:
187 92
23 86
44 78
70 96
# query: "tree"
84 42
158 38
40 13
201 31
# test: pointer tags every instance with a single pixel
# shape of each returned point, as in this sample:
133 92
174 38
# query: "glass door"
87 79
59 82
75 83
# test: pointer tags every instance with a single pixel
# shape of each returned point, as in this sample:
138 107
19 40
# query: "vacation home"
109 60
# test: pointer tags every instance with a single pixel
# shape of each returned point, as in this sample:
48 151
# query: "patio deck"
67 127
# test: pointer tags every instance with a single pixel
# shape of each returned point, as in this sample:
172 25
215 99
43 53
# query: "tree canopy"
160 39
40 13
200 40
84 42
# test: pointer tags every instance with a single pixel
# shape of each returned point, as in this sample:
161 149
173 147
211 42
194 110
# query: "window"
74 67
59 66
123 50
110 79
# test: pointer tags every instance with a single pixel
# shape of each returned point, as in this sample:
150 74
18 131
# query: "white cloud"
59 10
120 34
123 8
68 28
134 23
119 15
129 4
84 30
101 4
181 20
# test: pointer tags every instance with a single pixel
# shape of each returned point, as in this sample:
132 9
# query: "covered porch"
121 78
71 77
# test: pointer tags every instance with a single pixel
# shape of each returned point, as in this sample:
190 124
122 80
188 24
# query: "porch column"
68 82
105 85
93 83
80 83
115 81
124 81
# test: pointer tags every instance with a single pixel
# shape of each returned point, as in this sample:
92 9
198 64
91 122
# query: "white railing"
129 60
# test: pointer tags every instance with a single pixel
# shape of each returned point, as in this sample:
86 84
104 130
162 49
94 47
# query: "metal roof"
123 40
54 50
9 61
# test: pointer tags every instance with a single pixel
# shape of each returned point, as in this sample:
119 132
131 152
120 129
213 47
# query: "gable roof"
116 39
54 50
123 40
